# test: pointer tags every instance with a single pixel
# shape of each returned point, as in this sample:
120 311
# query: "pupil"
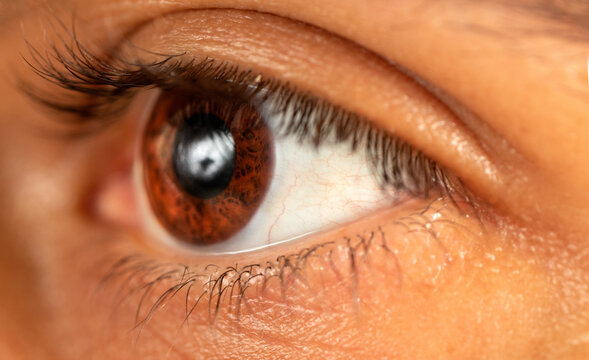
204 155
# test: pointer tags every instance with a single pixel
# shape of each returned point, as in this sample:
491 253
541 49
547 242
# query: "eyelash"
105 88
235 281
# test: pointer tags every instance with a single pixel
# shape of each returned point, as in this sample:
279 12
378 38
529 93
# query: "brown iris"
207 165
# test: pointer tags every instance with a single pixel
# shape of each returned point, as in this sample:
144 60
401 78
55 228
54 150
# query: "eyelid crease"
483 132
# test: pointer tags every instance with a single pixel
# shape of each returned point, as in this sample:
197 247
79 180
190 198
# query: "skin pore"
497 94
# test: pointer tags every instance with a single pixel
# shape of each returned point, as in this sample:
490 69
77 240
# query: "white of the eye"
312 189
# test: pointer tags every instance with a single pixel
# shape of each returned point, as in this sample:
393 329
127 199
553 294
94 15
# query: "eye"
236 162
232 159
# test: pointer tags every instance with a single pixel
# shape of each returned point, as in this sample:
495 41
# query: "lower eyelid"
408 245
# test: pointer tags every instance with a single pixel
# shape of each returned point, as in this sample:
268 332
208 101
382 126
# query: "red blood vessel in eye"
207 166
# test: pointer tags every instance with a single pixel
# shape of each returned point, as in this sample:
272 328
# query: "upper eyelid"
475 155
176 75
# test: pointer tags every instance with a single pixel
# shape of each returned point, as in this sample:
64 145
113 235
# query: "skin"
501 106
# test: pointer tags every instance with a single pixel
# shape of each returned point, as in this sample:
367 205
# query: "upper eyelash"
105 88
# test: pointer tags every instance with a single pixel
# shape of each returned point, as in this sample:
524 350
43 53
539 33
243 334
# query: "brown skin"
508 281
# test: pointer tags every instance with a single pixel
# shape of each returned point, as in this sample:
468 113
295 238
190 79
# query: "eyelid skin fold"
374 89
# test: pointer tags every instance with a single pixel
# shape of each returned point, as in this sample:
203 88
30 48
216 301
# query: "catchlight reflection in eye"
224 173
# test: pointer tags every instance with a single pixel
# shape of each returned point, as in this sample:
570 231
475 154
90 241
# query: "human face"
494 93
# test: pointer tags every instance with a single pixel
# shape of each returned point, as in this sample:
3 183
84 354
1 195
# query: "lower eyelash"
223 290
217 285
231 282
